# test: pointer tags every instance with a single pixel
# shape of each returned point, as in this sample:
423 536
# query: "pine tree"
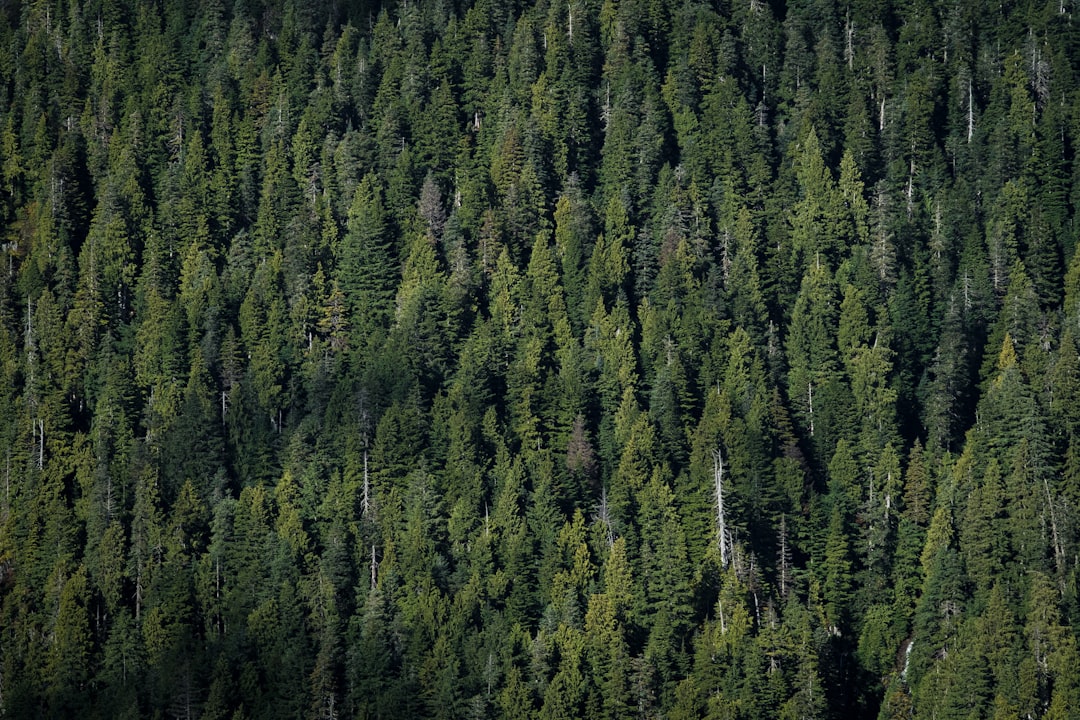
365 270
813 377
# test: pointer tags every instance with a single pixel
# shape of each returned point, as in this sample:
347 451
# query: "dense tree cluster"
394 359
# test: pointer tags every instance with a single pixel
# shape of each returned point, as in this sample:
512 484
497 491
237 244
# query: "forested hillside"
599 358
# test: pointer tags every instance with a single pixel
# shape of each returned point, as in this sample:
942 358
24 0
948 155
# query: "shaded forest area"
385 360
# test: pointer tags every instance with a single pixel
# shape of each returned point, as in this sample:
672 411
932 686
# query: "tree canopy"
607 358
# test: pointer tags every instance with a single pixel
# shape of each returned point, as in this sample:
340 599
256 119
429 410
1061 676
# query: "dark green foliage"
604 358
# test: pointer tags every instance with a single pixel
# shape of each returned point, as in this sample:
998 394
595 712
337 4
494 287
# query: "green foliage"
366 271
589 359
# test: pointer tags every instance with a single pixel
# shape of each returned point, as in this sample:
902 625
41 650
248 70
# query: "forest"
539 359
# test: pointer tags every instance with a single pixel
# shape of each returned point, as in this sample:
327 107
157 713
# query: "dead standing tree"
723 535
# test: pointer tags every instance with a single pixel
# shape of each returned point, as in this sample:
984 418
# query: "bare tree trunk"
138 592
721 522
365 497
374 567
971 112
849 41
785 559
603 514
1059 550
7 485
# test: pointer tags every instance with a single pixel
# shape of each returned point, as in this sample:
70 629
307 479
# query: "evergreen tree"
365 263
603 358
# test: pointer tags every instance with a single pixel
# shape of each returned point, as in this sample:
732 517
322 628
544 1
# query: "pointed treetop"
1007 358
